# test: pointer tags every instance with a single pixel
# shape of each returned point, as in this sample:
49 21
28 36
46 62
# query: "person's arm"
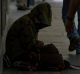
73 7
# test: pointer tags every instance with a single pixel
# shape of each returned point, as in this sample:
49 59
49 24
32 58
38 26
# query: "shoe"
74 43
21 8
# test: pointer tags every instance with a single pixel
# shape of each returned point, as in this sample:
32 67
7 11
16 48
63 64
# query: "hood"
41 15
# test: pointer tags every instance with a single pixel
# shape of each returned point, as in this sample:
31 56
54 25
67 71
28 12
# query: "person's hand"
69 26
39 44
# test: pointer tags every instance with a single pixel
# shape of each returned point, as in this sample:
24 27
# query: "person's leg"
65 9
73 36
21 4
64 16
30 3
79 22
78 30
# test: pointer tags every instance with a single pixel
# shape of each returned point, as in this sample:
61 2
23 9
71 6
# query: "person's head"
41 15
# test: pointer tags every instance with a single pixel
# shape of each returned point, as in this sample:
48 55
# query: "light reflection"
58 0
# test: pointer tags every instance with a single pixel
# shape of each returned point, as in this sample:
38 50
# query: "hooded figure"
22 36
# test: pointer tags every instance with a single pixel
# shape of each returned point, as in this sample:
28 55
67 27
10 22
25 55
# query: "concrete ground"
54 34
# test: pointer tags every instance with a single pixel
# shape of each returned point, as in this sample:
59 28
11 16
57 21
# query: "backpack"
50 58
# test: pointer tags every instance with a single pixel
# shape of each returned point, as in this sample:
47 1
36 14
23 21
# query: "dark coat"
22 35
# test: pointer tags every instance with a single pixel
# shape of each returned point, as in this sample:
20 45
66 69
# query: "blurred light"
58 0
